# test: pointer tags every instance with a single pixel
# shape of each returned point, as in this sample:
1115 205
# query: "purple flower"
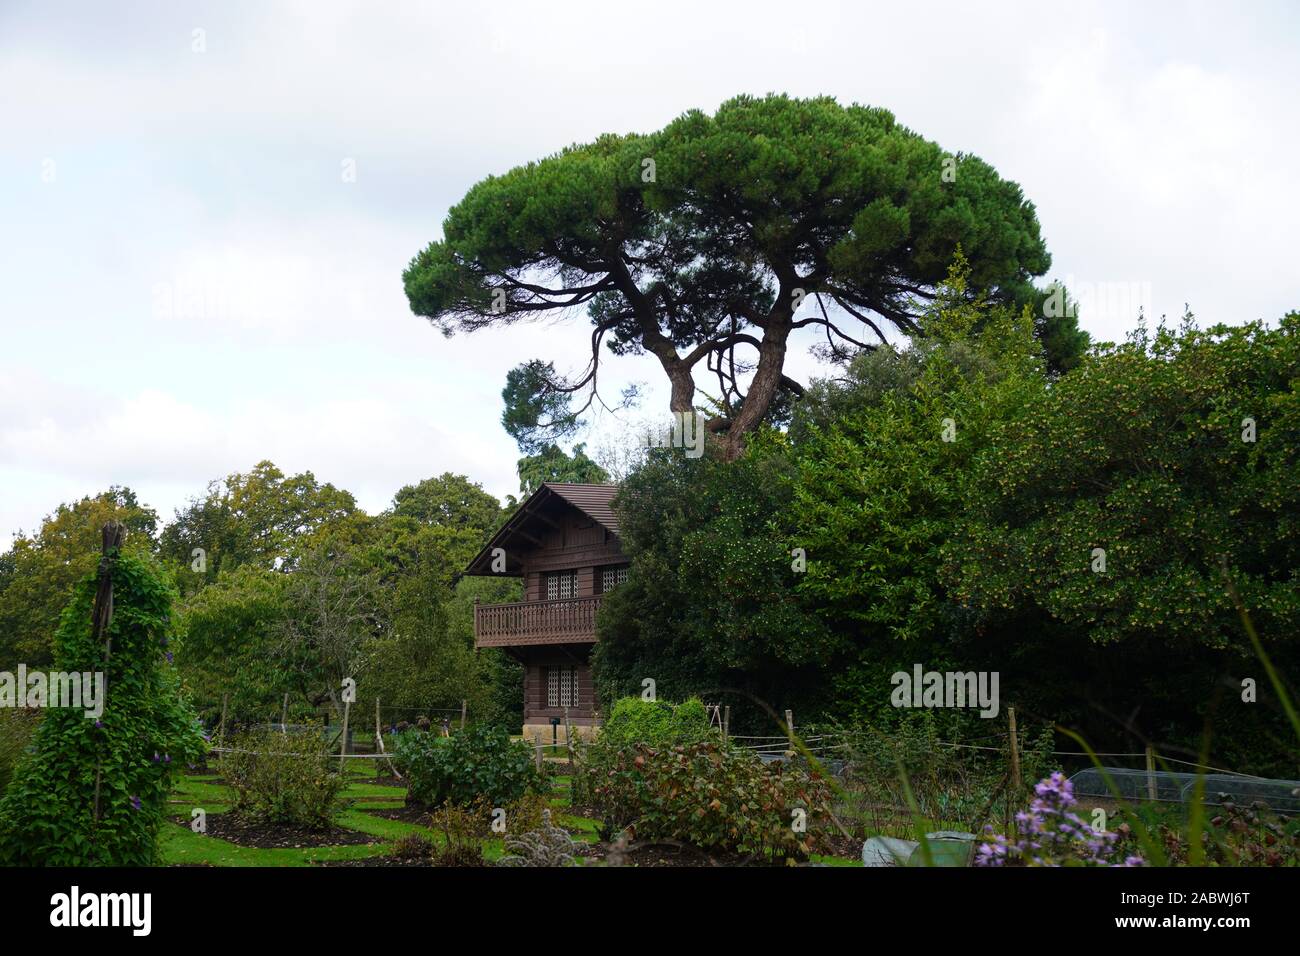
135 803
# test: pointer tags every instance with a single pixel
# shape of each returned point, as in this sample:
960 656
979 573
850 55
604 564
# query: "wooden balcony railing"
568 620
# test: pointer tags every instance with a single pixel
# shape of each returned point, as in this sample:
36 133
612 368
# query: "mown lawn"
181 846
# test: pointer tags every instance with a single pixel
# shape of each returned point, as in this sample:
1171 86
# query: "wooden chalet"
563 542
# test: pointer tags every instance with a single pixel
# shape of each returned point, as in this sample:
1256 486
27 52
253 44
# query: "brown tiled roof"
596 501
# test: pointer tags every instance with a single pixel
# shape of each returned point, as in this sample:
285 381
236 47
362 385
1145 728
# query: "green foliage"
481 762
738 210
976 553
710 796
657 723
1139 454
17 727
1235 836
884 485
261 517
230 629
131 755
453 515
708 601
536 413
552 464
38 573
283 778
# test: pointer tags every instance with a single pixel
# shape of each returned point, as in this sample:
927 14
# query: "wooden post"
464 706
537 736
379 741
726 721
343 741
284 714
101 616
1151 773
568 735
1015 753
221 729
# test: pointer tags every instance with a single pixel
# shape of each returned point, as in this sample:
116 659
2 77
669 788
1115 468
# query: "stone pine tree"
708 243
93 790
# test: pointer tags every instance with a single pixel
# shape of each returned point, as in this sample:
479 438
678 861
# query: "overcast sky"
188 284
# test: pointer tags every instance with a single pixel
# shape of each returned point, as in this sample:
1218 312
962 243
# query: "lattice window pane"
561 585
553 687
611 578
566 687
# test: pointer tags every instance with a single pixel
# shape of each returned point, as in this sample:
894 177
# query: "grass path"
180 845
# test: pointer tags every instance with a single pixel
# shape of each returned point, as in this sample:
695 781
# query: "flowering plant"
1049 833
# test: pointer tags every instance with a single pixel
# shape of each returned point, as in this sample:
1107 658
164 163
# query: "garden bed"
267 836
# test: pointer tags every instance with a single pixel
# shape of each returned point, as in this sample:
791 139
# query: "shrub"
544 845
479 763
130 755
413 846
657 723
282 778
16 730
460 840
709 795
1230 834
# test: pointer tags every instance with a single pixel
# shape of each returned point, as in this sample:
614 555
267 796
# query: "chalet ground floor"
557 684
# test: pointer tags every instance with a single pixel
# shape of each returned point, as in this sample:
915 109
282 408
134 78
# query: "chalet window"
561 687
561 585
611 577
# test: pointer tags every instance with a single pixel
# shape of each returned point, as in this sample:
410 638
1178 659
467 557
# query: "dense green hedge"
475 765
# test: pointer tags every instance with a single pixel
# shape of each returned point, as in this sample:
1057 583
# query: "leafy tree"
93 792
537 414
709 601
335 606
38 572
230 630
707 243
807 570
260 517
1112 515
552 464
449 501
458 516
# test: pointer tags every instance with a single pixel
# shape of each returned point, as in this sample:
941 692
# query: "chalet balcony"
531 623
